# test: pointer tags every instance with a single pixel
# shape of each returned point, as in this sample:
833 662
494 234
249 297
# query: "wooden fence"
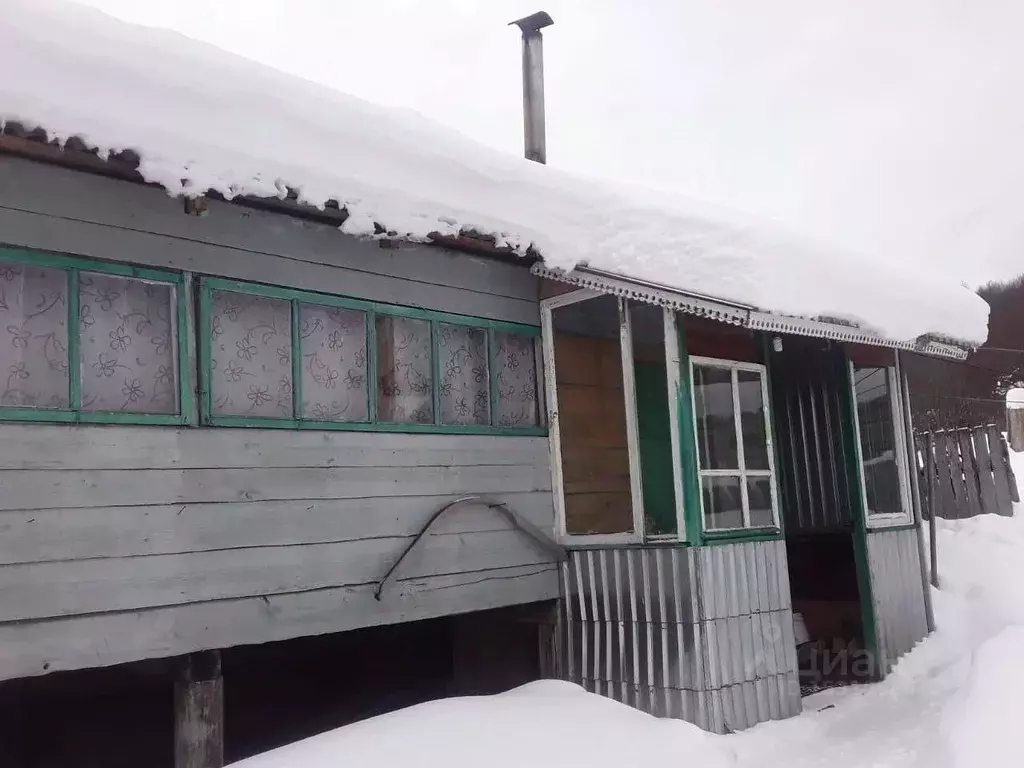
972 473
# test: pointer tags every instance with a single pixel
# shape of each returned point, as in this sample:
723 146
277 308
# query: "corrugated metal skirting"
699 634
898 593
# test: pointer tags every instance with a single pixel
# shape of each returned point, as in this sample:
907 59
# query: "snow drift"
541 724
202 119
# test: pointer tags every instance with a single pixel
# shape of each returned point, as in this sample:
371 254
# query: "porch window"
612 385
88 341
881 442
277 357
734 451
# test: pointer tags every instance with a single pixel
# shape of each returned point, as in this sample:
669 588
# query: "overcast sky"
891 126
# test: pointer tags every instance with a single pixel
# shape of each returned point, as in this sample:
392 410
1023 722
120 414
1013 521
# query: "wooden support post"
199 712
549 639
933 546
1015 427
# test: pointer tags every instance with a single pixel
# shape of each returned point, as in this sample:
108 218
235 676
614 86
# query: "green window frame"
73 266
372 310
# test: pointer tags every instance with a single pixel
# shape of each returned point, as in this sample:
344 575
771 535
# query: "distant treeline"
948 394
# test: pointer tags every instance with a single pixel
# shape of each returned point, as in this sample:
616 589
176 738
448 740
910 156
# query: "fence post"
933 546
1015 418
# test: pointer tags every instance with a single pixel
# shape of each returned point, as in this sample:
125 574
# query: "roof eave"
745 316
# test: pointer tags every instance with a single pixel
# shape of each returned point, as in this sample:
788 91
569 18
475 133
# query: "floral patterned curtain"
127 345
516 366
251 355
465 387
405 379
34 341
334 381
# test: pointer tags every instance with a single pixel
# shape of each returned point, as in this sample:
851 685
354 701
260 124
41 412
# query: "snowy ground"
952 703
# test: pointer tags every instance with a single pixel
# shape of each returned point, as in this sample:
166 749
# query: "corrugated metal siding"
806 407
746 619
699 634
632 629
900 618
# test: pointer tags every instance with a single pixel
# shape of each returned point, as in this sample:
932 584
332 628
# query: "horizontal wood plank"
57 446
82 238
30 489
37 647
41 590
39 535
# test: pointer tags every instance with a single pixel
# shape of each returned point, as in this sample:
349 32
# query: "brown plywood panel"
867 356
599 512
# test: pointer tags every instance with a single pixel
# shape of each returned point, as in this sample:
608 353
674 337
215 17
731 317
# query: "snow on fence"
971 473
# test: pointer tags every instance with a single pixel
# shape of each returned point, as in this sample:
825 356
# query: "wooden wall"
707 338
121 543
68 211
592 428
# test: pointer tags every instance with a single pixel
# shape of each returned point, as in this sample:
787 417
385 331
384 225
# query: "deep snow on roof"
203 119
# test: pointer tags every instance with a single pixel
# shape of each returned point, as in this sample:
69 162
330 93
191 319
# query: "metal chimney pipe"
533 84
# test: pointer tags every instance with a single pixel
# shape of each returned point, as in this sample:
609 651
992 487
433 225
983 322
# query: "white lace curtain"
465 384
126 332
334 382
127 345
34 346
405 370
251 355
515 363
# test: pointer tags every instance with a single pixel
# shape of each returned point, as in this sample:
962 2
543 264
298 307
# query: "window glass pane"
515 366
128 345
592 417
251 355
755 441
716 424
878 441
34 340
759 494
723 503
405 379
334 380
465 385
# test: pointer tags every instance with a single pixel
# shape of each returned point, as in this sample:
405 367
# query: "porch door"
653 426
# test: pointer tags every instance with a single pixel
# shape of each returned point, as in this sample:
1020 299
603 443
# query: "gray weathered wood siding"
67 211
120 543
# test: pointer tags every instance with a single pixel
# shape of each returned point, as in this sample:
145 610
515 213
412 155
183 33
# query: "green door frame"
851 451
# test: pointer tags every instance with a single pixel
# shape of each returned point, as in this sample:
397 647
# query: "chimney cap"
533 23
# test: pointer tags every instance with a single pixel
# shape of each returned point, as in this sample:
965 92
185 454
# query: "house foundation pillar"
199 712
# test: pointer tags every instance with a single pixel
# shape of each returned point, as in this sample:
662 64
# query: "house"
282 364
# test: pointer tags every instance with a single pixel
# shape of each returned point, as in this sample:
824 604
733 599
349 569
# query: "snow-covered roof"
202 119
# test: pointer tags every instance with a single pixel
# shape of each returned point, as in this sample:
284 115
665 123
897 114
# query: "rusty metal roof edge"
734 313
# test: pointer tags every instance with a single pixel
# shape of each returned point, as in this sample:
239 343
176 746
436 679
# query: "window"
405 381
333 372
734 451
881 443
285 358
86 341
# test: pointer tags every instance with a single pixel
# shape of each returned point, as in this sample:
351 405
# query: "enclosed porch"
710 479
